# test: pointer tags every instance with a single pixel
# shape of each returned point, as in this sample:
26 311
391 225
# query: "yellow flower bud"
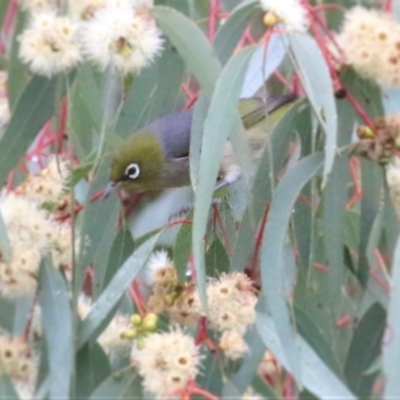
150 322
140 344
136 319
129 334
270 19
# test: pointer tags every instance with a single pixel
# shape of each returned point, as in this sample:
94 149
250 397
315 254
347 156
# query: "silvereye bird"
157 156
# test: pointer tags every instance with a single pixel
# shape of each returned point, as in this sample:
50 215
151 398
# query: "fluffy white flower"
160 269
231 301
50 44
36 5
233 344
370 41
167 362
49 186
122 38
289 12
20 363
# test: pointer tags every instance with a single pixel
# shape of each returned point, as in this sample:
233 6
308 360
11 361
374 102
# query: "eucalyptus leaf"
57 325
115 289
272 254
35 107
315 77
220 119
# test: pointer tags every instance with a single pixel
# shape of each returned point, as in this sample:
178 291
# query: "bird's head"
137 165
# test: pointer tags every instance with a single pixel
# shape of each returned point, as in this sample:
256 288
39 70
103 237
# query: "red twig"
257 247
136 296
343 321
218 220
321 267
213 19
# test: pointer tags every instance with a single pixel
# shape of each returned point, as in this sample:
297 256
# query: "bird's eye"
132 171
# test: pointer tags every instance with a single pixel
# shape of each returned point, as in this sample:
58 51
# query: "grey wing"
173 130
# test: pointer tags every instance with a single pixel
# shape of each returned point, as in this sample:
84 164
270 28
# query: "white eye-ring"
132 171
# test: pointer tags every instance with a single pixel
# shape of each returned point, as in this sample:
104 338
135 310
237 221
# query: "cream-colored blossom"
49 44
122 38
289 12
36 5
251 394
50 185
19 361
167 362
31 232
160 269
233 345
186 310
231 301
111 338
86 9
370 41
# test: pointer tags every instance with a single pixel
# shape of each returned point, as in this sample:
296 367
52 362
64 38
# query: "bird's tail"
254 110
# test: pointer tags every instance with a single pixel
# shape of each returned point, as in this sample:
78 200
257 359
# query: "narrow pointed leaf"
191 44
218 124
57 325
272 253
316 80
34 108
115 289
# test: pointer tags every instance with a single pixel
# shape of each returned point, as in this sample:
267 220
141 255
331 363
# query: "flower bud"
136 320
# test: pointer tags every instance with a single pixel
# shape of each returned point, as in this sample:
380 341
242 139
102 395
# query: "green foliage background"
300 307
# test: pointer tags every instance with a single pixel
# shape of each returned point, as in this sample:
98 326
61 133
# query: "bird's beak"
110 189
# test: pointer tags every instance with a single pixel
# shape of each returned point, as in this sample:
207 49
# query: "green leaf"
7 311
182 250
121 385
191 44
5 247
271 163
243 378
196 135
272 252
99 229
262 65
85 113
231 31
212 378
121 249
364 349
154 93
7 391
316 339
391 348
57 326
17 72
115 289
220 119
316 80
92 368
335 197
34 108
372 185
315 375
217 260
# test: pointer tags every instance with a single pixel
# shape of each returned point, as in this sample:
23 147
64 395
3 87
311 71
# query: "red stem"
213 18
